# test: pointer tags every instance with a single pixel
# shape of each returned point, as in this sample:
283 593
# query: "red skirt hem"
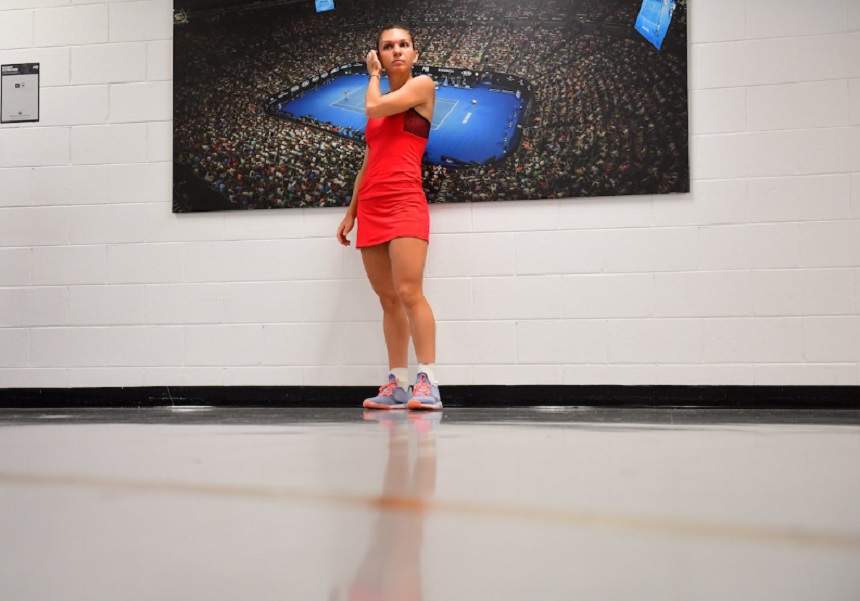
390 238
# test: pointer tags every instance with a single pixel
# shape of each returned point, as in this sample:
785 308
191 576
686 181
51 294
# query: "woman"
394 219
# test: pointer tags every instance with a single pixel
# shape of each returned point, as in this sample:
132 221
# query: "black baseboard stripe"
788 397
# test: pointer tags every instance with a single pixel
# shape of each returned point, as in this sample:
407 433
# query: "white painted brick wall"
752 278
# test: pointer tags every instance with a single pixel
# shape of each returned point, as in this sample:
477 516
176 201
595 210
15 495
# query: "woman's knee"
410 294
390 301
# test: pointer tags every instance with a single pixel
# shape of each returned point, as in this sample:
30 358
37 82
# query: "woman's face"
396 52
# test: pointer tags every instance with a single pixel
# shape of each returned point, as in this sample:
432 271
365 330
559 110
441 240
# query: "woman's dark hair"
394 26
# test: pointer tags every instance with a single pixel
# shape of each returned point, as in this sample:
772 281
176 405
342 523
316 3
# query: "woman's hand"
345 227
373 64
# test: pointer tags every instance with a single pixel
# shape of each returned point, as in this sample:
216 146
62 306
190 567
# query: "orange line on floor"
655 524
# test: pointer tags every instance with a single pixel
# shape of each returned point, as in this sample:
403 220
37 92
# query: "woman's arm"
418 90
353 205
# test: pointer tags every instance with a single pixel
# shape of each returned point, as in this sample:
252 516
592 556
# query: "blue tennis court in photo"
462 129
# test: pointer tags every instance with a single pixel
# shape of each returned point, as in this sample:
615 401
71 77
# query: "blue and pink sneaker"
391 396
425 394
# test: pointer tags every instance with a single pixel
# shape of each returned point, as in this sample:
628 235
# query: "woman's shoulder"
429 85
426 80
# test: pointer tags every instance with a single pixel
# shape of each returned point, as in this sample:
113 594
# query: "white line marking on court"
451 110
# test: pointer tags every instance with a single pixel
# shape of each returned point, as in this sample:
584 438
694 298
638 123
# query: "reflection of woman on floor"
391 567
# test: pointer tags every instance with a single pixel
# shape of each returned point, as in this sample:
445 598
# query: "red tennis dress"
391 200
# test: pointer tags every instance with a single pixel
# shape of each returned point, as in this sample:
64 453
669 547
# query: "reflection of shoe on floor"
425 394
386 419
391 396
425 422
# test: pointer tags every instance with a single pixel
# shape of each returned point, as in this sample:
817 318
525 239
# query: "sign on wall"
19 93
534 100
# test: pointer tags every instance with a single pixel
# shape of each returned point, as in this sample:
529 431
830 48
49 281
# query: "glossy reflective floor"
336 504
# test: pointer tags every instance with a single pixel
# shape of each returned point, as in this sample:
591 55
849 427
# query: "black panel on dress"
416 123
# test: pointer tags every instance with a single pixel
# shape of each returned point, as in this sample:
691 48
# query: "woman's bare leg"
408 257
395 321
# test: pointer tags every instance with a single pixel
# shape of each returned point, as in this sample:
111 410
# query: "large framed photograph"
534 100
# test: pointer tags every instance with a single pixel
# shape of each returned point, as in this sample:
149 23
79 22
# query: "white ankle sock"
428 368
402 375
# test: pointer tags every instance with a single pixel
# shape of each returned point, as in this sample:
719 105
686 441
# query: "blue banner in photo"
653 20
324 5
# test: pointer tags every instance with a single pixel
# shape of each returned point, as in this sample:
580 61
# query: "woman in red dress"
394 219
